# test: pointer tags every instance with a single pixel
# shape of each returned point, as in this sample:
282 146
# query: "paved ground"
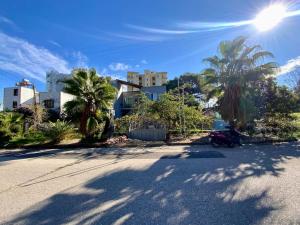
167 185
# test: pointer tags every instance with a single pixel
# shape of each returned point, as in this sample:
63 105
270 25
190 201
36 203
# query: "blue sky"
117 35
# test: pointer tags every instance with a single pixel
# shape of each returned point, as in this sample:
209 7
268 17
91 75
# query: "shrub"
282 126
58 131
4 138
11 125
122 124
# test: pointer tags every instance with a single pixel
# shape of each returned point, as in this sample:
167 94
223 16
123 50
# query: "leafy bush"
58 131
4 138
11 124
279 125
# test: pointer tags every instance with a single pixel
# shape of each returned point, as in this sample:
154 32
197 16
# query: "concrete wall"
54 84
148 79
24 98
148 134
154 92
65 97
8 98
118 103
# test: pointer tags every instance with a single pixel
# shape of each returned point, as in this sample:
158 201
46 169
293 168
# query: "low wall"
148 134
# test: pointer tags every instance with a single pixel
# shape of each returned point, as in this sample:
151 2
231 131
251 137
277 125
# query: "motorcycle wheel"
214 144
231 145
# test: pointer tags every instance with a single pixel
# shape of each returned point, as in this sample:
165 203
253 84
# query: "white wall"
65 97
8 98
26 96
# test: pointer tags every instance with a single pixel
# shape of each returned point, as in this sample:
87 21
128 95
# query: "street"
253 184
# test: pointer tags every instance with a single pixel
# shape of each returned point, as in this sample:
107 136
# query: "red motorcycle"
227 137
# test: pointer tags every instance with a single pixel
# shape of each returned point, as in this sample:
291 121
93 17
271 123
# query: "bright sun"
270 17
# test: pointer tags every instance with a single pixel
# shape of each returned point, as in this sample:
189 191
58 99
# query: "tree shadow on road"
178 190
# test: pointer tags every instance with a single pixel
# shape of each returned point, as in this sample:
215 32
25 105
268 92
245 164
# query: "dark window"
16 92
15 104
49 104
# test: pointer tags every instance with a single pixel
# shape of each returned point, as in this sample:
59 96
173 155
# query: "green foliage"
11 125
58 131
236 69
168 111
278 125
34 115
94 96
32 137
193 85
122 124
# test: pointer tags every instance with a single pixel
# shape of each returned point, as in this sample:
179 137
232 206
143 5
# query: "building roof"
129 84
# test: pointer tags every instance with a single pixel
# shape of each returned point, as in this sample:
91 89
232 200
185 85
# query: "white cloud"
6 20
159 30
54 43
19 56
119 67
81 59
104 72
290 66
144 61
139 37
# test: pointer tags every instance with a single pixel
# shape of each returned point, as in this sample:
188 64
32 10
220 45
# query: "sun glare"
270 17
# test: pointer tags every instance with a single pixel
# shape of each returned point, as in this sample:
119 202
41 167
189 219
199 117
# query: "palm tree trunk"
83 121
107 128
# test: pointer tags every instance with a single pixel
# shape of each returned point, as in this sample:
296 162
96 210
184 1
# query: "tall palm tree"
94 96
236 68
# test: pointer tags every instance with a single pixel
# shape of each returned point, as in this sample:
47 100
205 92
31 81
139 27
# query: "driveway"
159 185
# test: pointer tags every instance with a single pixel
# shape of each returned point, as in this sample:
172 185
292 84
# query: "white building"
148 79
17 96
23 95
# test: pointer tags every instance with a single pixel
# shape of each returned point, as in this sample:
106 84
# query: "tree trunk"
107 131
83 121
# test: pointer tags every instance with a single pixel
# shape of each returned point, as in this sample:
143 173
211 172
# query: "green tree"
11 125
93 99
236 69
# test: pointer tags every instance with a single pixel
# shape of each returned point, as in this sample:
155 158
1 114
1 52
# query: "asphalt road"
162 185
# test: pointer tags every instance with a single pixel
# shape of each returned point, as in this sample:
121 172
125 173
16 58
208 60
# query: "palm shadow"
173 190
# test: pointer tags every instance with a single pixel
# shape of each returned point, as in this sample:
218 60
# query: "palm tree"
94 96
236 68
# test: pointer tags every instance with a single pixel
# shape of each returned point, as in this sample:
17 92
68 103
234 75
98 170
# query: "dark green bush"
58 131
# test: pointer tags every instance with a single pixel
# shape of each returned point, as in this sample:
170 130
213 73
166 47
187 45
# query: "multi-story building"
54 98
148 79
18 96
126 100
22 95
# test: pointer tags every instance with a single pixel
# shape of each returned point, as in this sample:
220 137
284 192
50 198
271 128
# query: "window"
49 103
15 104
16 92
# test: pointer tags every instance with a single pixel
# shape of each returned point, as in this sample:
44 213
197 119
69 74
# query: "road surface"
158 185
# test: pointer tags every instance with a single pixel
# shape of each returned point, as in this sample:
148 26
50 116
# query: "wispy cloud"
80 58
159 30
19 56
54 43
289 67
6 20
138 37
144 61
9 22
119 66
104 72
212 26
